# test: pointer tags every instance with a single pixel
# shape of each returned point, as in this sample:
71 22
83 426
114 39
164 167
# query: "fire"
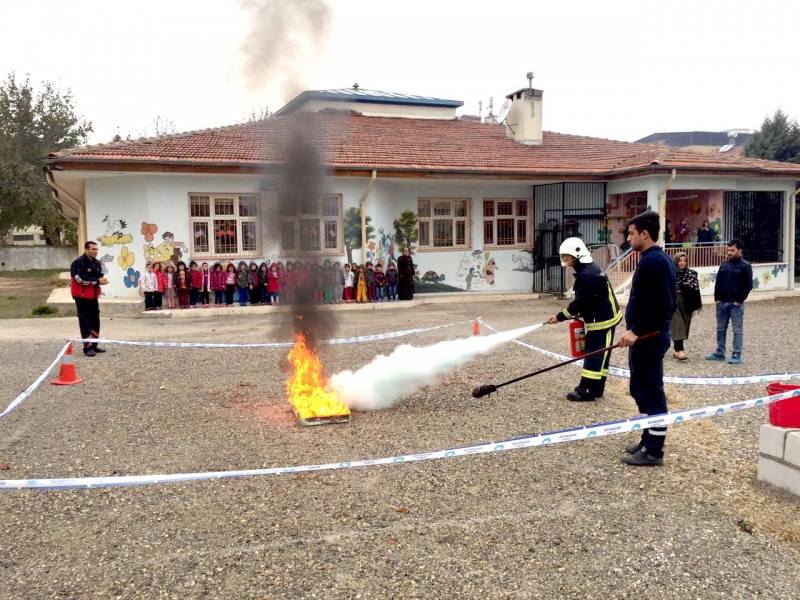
306 388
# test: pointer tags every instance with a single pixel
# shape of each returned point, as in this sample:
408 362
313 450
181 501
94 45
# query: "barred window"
316 228
507 222
223 225
443 223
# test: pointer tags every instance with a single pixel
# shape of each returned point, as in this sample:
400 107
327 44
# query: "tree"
405 230
352 230
778 139
257 113
31 126
160 125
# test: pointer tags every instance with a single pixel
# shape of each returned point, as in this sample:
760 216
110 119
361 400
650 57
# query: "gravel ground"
564 521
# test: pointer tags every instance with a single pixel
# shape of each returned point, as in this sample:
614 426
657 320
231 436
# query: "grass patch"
32 274
43 310
22 292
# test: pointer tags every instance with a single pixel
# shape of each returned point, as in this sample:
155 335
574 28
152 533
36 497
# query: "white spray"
386 379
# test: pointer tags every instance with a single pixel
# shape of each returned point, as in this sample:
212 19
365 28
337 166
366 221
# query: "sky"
615 69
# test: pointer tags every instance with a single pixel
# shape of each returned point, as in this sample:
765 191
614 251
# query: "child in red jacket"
162 285
218 285
273 285
196 278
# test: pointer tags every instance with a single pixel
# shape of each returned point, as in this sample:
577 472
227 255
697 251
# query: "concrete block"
791 451
771 440
779 475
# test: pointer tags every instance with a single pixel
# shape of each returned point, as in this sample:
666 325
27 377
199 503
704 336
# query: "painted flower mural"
766 276
149 230
132 278
126 258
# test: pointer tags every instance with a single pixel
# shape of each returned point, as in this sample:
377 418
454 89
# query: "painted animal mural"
107 258
523 262
114 233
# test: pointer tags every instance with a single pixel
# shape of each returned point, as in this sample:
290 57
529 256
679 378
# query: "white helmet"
575 247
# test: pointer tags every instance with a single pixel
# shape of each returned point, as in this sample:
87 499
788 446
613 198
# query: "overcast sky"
620 73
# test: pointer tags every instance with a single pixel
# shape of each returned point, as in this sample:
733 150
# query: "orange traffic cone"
67 375
476 329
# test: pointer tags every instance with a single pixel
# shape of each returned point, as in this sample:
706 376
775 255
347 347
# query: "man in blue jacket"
650 307
733 285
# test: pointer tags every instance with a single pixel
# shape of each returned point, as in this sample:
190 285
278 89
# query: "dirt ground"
565 521
21 291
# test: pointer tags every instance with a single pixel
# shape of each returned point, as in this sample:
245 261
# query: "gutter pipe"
363 205
662 206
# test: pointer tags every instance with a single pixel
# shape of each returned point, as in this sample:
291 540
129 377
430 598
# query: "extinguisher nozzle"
483 390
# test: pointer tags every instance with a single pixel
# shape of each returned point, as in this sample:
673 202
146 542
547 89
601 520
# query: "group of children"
298 281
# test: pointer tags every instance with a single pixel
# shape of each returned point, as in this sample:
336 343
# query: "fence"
24 258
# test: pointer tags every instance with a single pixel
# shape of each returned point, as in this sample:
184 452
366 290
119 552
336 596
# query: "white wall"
23 258
162 200
454 265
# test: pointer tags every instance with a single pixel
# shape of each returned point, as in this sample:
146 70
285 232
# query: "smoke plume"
386 379
286 37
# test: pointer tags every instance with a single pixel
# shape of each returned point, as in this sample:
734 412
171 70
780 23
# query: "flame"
308 387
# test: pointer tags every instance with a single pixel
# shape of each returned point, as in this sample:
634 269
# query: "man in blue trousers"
733 285
650 307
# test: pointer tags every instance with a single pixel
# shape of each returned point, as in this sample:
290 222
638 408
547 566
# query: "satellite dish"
503 113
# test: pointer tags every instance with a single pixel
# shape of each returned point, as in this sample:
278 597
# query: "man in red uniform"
85 281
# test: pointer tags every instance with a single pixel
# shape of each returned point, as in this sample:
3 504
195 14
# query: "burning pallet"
331 420
312 400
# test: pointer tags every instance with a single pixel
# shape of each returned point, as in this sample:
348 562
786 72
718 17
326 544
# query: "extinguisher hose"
485 390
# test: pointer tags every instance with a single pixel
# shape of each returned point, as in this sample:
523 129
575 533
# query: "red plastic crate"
785 413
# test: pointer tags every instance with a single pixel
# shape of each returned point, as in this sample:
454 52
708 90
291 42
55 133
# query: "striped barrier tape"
334 342
542 439
350 340
35 384
620 372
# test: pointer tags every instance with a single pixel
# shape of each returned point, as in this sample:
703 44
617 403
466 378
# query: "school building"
483 205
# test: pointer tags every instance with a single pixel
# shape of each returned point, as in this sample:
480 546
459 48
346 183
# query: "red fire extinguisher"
577 337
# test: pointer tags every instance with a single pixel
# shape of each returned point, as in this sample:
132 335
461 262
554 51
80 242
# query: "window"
317 227
223 225
443 223
756 220
507 223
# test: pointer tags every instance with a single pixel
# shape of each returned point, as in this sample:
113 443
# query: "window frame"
527 244
454 219
213 252
323 221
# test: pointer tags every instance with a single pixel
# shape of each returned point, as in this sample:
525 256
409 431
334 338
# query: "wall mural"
106 258
148 231
766 277
381 249
126 258
114 232
523 260
168 252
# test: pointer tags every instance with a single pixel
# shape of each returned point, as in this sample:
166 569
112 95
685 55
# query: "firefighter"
596 305
86 279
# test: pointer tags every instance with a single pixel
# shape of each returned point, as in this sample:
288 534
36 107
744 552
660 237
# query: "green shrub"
43 309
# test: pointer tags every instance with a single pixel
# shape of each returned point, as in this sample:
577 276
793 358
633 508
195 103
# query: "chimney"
524 120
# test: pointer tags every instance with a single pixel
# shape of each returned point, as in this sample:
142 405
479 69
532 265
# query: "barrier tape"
620 372
350 340
335 342
542 439
35 384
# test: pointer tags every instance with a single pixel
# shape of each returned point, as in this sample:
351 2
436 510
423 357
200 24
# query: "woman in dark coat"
405 272
688 303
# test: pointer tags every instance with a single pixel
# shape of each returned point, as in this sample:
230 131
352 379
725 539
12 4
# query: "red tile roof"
351 142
